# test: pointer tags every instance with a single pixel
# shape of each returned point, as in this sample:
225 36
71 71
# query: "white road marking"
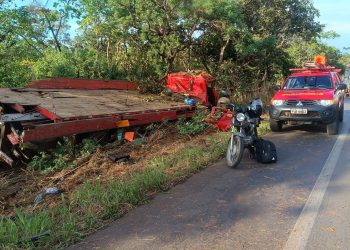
299 236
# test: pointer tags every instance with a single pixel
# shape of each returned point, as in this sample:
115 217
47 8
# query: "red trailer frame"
58 107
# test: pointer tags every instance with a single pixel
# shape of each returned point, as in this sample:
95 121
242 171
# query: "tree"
302 51
282 19
245 44
257 57
26 33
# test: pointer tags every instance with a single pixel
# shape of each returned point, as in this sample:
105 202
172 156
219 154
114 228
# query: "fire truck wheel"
341 114
332 128
275 126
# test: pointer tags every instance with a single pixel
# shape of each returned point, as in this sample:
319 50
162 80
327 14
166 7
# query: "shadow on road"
305 128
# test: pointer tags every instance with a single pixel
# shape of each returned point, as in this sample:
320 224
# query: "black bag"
265 151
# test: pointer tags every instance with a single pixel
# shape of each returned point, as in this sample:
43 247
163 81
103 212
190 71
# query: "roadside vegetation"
97 200
62 156
248 46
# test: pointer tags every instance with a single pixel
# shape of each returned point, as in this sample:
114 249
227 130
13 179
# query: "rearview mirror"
341 86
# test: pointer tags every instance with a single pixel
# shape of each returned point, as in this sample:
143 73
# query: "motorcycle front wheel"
234 151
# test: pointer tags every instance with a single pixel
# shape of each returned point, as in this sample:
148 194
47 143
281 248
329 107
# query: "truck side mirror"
341 86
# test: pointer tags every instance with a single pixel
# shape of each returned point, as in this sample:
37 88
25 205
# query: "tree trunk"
107 54
222 51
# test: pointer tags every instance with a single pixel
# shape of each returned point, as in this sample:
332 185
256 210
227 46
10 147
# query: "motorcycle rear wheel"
234 151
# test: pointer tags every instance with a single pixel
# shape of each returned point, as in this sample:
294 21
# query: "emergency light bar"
316 69
310 64
318 65
313 67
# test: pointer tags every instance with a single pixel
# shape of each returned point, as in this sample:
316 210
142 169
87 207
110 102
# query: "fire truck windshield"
308 82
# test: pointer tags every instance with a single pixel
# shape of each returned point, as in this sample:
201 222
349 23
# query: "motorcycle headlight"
240 117
277 102
325 102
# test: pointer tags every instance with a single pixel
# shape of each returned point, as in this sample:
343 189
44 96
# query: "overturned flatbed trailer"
54 108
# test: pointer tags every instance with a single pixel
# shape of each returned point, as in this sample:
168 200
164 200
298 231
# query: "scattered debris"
129 136
48 191
119 159
190 101
34 239
139 141
38 198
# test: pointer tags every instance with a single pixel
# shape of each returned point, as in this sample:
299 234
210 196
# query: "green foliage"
281 19
53 64
264 128
301 51
345 59
14 66
157 126
55 160
193 126
40 162
247 45
18 231
88 147
62 156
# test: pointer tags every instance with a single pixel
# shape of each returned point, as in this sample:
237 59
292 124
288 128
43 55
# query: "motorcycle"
244 133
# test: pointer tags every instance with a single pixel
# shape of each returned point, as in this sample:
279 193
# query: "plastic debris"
119 159
52 190
39 198
190 101
34 239
129 136
139 141
48 191
120 134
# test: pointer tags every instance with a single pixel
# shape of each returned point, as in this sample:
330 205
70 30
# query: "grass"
62 156
195 125
95 203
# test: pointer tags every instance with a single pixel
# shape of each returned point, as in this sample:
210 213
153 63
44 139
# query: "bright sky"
335 14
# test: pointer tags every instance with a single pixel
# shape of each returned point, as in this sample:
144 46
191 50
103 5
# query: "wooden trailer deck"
69 104
63 107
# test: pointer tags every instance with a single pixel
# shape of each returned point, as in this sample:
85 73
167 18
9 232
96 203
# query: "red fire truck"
312 94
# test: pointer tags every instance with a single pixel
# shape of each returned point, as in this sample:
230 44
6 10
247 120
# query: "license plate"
298 111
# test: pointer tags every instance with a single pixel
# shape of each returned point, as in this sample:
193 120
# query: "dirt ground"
19 187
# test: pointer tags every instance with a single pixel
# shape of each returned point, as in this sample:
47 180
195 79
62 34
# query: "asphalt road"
301 202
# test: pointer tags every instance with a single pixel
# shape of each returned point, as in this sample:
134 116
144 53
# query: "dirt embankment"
20 187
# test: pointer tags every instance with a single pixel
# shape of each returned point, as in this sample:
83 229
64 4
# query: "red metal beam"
47 113
55 130
156 116
65 128
75 83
